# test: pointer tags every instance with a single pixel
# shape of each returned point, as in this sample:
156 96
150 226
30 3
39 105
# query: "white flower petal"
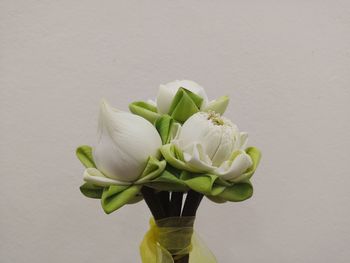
194 129
94 176
239 165
164 98
225 148
152 102
196 158
219 105
212 140
243 140
175 131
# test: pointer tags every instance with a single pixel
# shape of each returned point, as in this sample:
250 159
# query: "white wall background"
285 65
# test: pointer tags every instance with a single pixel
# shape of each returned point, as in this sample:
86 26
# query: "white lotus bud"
168 91
124 145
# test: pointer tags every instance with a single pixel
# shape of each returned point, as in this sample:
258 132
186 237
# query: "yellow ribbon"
173 237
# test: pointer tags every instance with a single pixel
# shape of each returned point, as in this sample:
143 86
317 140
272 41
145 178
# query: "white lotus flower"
124 145
168 91
212 143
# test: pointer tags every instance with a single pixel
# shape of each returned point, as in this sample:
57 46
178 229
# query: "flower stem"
192 202
153 202
164 197
184 259
176 204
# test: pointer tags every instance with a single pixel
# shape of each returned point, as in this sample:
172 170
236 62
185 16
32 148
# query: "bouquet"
170 152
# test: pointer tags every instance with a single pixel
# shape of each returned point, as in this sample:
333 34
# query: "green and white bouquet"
179 145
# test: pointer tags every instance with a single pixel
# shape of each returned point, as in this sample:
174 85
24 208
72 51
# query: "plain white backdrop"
285 65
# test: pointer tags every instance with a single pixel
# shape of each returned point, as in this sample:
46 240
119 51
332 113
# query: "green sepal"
255 155
219 105
84 154
145 110
184 105
237 192
116 196
91 191
167 181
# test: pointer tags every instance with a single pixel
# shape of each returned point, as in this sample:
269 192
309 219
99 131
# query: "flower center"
215 118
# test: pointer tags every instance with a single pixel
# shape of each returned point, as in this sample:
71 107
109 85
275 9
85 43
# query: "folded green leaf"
163 126
222 182
174 156
116 196
255 155
84 154
153 169
184 105
202 183
91 191
145 110
217 189
95 177
167 181
219 105
167 128
216 199
137 198
237 192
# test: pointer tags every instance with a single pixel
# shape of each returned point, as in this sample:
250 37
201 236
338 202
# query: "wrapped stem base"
171 239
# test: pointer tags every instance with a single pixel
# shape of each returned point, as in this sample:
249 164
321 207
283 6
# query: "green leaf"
237 192
91 191
137 198
222 182
145 110
217 189
116 196
163 126
167 181
84 154
152 170
216 199
255 155
184 105
219 105
202 183
198 182
174 157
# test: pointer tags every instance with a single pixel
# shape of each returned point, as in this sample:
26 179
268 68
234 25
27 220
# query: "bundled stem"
161 207
164 197
193 200
191 205
176 204
153 202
